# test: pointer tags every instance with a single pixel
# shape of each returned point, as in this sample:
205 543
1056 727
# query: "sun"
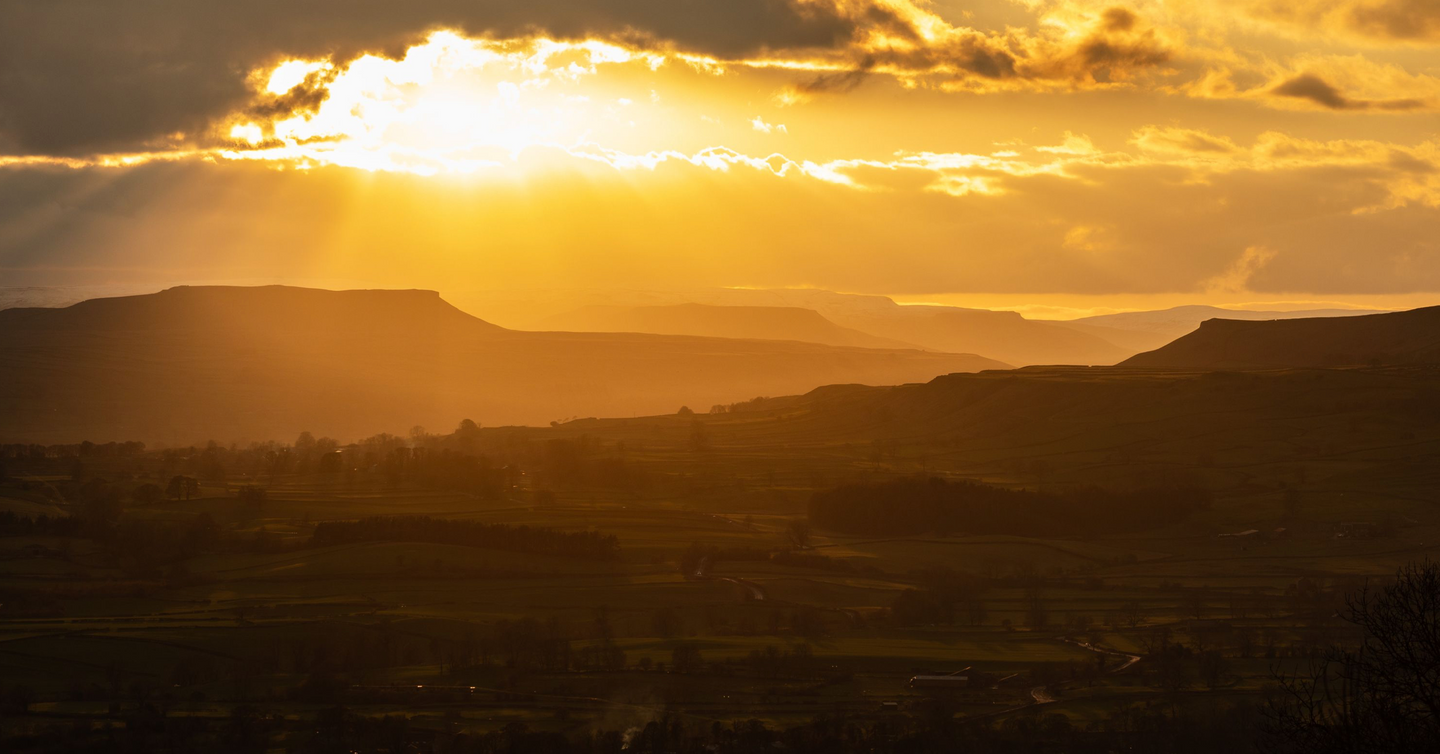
451 104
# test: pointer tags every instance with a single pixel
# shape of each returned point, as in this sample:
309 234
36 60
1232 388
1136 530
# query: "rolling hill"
757 322
232 363
1366 434
1022 341
1148 330
1006 336
1393 339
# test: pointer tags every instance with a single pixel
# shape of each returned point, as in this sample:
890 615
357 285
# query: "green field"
763 627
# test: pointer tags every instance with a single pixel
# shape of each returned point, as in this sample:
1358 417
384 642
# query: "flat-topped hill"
192 363
1391 339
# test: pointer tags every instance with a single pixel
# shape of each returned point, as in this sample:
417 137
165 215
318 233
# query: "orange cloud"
1372 21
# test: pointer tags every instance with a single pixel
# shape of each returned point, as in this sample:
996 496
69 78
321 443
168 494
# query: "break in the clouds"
81 76
91 76
1017 144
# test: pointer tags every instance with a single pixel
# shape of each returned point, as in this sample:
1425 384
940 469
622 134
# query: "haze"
720 376
1098 154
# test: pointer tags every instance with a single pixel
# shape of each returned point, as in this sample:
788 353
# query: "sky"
1048 155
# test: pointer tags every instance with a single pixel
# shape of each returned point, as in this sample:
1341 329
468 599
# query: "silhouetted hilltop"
255 309
1002 335
1399 338
188 364
1006 336
761 322
1148 330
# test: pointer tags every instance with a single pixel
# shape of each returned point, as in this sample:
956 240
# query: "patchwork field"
718 602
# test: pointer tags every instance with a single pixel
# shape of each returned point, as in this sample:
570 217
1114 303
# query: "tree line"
13 524
85 449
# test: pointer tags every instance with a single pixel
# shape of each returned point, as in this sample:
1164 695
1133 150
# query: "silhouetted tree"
330 462
797 533
467 434
685 658
1212 668
305 443
182 487
147 493
1382 695
974 611
665 623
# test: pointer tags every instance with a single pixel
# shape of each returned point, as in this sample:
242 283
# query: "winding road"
1042 696
753 589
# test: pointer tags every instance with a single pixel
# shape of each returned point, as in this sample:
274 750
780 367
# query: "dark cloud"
839 81
1104 52
1311 87
966 55
1400 105
983 58
887 20
1117 43
1315 89
85 76
305 97
1385 21
1405 20
1119 19
1114 44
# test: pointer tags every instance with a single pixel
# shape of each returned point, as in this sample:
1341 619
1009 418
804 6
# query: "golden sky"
1061 155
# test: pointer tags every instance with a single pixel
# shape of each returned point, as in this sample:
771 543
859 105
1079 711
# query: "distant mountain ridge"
1006 336
1390 339
232 363
710 320
828 318
1002 335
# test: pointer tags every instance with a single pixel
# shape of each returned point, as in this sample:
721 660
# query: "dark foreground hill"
1370 432
259 363
1393 339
